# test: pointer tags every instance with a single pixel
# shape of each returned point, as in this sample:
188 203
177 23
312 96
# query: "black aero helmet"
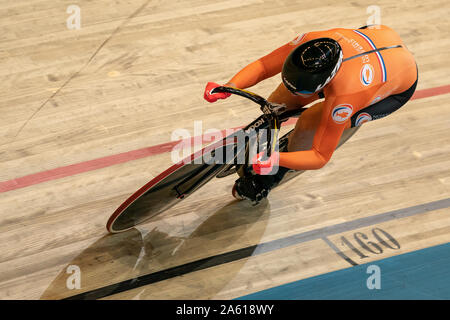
312 65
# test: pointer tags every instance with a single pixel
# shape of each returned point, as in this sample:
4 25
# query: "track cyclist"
357 75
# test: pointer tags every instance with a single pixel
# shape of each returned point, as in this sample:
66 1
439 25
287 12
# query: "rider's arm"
265 67
325 141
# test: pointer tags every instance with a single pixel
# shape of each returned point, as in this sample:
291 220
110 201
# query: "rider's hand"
265 167
213 97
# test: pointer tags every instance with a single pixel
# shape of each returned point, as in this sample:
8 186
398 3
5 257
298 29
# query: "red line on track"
104 162
425 93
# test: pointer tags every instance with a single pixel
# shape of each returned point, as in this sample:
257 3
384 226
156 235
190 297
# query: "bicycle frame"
182 179
271 120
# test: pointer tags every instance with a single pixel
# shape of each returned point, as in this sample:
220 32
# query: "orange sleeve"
249 76
325 141
265 67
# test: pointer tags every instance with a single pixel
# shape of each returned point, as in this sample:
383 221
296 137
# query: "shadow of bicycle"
161 245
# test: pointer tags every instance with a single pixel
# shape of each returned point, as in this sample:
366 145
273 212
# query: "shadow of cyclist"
106 265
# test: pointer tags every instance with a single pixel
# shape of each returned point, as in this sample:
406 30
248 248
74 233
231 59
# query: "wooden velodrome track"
86 117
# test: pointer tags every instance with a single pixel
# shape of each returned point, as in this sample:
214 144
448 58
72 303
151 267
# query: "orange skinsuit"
358 83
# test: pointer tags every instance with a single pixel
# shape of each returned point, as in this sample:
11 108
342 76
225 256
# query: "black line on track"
269 246
165 274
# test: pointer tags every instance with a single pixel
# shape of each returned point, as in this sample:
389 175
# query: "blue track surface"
422 274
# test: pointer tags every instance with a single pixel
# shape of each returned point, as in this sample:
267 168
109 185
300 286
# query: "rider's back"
372 76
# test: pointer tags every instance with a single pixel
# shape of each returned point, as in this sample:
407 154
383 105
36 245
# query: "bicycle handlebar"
243 93
271 111
267 107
